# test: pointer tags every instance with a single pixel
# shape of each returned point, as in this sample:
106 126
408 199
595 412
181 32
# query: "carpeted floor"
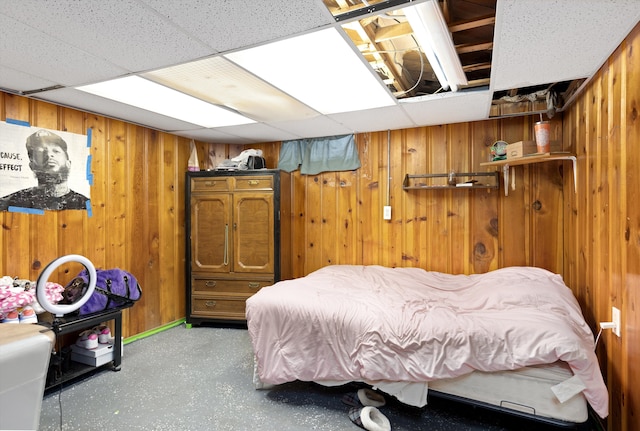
201 379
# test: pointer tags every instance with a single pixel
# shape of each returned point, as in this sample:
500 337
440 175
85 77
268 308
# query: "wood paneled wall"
137 220
338 217
602 242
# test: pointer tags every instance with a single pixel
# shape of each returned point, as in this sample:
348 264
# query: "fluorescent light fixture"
432 33
320 69
221 82
142 93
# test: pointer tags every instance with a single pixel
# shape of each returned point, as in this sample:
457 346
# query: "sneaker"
369 418
11 317
28 315
104 334
88 340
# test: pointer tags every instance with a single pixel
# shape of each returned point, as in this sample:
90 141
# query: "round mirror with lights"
60 310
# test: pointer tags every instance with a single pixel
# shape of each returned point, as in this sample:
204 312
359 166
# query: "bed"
513 339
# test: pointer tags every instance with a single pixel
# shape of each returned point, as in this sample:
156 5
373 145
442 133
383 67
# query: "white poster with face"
43 169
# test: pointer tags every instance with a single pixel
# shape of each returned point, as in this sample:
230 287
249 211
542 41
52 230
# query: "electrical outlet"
386 213
615 317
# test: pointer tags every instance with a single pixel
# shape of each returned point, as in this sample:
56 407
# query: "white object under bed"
514 338
527 390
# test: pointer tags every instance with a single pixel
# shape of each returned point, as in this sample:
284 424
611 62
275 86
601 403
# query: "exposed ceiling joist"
474 47
393 31
376 56
478 82
477 66
472 23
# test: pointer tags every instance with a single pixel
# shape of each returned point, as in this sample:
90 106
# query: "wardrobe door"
253 232
211 230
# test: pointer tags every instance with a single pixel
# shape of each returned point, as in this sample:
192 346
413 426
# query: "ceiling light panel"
320 69
432 32
142 93
221 82
84 101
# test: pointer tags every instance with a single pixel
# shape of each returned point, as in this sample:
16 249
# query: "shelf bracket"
505 177
574 161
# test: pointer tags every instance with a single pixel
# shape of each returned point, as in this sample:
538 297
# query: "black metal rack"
61 368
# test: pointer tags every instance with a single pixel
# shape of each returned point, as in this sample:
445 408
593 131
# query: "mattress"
526 390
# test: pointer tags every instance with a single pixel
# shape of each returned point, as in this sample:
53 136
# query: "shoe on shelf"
11 317
104 334
27 315
88 340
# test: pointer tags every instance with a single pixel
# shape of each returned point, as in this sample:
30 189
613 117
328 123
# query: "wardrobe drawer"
216 285
219 307
254 183
210 184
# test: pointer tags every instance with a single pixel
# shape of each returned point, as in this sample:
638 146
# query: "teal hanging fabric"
290 155
316 155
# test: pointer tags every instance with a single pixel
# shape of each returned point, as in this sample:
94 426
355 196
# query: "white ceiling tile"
259 132
227 25
540 43
20 81
129 35
449 108
313 128
28 49
370 120
213 136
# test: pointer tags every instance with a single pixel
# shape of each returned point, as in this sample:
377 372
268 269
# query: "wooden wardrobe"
238 229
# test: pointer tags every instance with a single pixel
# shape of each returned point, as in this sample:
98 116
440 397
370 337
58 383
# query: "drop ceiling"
525 52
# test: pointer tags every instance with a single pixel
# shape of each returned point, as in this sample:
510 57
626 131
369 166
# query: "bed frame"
524 393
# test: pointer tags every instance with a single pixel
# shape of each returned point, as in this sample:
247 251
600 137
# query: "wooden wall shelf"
533 158
463 181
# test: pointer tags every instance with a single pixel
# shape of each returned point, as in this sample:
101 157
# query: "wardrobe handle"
210 283
226 245
254 285
210 304
254 182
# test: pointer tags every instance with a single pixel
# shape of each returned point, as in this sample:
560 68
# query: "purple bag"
114 288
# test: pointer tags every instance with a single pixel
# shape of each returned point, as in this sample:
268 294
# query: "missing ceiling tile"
381 32
538 99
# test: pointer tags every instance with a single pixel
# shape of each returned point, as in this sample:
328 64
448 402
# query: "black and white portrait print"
43 169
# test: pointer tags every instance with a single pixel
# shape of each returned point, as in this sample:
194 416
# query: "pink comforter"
371 323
